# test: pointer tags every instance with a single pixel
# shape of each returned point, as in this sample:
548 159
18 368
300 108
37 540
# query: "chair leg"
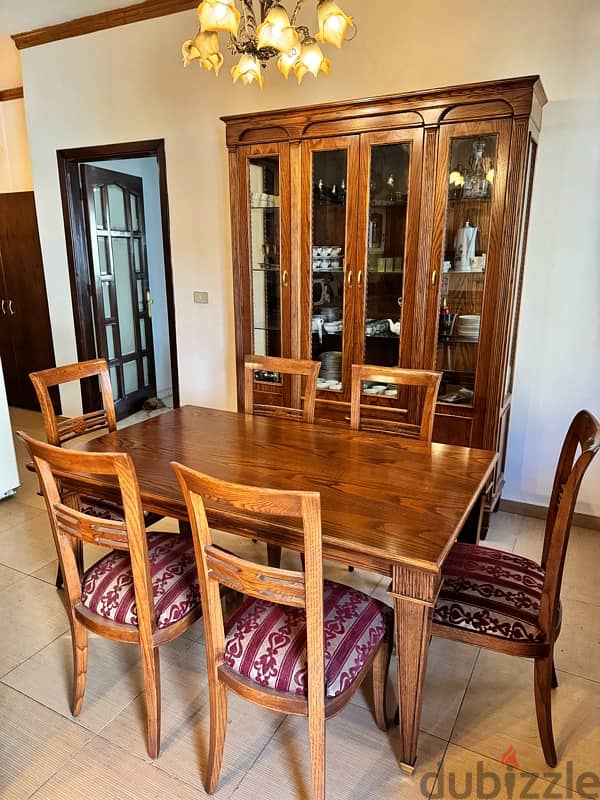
381 666
151 669
554 678
316 735
79 642
543 706
273 555
218 730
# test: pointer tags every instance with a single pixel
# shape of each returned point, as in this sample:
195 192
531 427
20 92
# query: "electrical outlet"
200 297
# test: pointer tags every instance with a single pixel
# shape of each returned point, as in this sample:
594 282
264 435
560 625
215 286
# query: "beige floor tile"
499 711
14 513
578 647
449 668
114 678
28 546
32 616
34 743
467 775
185 719
8 576
103 771
48 572
361 762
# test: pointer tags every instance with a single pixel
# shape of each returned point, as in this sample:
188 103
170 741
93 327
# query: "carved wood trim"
11 94
99 22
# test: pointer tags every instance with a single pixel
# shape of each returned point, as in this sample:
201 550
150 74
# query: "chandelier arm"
249 17
297 8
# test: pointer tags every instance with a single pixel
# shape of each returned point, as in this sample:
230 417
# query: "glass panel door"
473 185
333 170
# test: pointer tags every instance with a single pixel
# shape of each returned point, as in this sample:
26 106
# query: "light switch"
200 297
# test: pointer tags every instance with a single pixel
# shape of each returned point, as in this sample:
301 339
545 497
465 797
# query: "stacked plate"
467 326
330 313
331 365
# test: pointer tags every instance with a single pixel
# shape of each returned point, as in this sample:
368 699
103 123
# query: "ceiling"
17 16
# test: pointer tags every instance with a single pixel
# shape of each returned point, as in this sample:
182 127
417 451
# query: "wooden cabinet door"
387 238
261 201
329 259
26 302
473 269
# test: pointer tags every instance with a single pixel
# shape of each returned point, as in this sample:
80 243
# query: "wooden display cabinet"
389 231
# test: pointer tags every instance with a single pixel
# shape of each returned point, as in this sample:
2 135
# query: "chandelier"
276 35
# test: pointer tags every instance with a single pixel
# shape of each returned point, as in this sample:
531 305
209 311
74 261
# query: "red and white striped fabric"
490 591
266 642
107 587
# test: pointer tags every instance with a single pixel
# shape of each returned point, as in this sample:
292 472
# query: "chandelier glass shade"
263 30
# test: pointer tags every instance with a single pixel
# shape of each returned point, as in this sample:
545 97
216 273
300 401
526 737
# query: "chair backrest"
286 587
427 382
285 366
59 432
54 466
581 444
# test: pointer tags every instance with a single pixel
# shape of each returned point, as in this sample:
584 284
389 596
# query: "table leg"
414 593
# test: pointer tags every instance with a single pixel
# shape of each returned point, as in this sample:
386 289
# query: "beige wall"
128 84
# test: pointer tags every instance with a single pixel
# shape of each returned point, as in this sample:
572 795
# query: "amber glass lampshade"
333 23
219 15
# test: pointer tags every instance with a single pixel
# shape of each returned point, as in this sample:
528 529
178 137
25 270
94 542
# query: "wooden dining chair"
305 409
296 644
504 602
144 591
427 382
62 431
300 409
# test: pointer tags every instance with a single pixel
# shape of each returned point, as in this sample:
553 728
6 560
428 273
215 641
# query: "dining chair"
508 603
61 431
144 591
427 384
296 644
300 409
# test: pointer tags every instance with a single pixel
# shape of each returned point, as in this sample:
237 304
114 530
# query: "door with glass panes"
120 287
361 198
470 198
265 329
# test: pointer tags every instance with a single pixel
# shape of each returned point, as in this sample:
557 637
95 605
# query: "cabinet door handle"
284 277
10 308
433 277
3 306
359 277
349 279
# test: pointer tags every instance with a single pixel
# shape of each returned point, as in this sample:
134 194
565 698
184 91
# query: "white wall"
128 84
147 170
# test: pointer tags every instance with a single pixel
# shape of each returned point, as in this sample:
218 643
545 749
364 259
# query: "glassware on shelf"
479 174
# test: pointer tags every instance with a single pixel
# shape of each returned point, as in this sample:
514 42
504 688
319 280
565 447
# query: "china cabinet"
389 231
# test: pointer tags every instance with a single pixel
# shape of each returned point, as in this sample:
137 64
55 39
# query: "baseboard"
539 512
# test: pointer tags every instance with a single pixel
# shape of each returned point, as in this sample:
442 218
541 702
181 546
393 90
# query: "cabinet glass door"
393 173
328 250
474 190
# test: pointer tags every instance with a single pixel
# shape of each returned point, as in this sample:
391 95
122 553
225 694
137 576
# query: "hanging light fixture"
258 36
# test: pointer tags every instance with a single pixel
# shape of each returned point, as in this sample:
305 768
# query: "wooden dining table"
390 505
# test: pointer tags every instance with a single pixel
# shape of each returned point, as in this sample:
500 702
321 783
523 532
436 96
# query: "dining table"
390 505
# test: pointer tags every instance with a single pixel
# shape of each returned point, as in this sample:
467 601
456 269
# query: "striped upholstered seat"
266 642
107 587
491 591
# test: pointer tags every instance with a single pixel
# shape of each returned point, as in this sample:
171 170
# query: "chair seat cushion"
107 587
492 592
266 642
107 509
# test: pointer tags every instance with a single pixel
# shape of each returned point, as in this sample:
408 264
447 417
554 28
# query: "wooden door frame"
77 249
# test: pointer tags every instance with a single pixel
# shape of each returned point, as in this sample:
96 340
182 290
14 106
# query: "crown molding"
99 22
11 94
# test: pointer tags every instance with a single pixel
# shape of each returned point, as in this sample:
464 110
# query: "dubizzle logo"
511 783
509 758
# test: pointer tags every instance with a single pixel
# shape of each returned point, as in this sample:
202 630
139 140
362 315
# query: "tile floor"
477 704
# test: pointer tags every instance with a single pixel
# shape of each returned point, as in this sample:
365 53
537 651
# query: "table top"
384 499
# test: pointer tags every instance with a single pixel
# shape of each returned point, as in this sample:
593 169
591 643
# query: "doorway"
115 208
